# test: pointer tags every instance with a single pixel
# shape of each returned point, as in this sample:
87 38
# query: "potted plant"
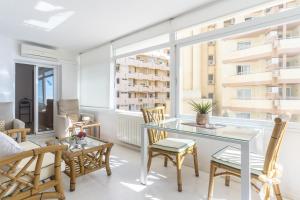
202 109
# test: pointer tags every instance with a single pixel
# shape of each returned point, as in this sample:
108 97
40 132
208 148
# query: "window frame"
176 44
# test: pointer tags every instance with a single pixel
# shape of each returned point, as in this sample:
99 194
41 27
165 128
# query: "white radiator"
128 129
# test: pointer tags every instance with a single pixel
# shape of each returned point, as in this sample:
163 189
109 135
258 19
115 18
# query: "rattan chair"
30 174
173 149
262 169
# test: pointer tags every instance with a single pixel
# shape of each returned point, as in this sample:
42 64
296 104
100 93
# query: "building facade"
143 81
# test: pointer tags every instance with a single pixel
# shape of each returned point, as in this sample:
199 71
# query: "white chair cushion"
231 156
48 162
8 146
173 144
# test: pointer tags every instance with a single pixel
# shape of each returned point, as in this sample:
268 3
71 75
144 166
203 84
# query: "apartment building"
143 81
251 75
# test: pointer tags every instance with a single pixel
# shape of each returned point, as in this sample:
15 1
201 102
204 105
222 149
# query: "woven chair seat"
173 144
231 156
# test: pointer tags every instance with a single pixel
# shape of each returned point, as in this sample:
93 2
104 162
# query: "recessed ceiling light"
52 23
47 7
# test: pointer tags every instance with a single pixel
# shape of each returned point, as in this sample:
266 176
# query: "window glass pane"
143 44
261 81
241 17
143 80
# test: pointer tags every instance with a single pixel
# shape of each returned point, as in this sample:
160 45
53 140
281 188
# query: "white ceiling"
81 24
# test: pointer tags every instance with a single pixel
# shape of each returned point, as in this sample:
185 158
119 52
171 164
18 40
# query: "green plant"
202 107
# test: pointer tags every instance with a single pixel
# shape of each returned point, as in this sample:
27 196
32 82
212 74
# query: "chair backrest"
69 107
274 146
155 115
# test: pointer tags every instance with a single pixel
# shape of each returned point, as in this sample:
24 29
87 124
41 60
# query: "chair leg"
277 192
195 155
267 193
166 161
227 181
213 170
179 166
149 160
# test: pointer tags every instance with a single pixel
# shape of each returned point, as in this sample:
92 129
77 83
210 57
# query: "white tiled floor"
124 182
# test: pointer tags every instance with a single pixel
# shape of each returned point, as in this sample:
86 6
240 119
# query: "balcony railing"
254 52
248 79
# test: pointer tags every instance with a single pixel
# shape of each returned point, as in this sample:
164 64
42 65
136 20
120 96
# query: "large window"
143 80
256 75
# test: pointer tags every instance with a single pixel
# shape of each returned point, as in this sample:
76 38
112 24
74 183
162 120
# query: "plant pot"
202 119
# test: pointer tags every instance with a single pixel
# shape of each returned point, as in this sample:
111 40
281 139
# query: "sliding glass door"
45 95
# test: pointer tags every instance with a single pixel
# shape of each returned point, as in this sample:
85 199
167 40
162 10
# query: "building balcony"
289 75
255 52
291 105
289 46
247 105
161 89
122 87
248 79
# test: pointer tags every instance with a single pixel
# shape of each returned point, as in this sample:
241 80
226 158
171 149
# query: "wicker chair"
262 169
161 145
32 173
15 128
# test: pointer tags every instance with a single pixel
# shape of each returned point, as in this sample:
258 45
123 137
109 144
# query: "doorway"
35 92
24 94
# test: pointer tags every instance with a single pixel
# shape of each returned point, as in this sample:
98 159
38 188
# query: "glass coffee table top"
76 144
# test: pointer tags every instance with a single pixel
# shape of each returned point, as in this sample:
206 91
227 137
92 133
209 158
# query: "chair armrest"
16 172
22 131
91 116
18 124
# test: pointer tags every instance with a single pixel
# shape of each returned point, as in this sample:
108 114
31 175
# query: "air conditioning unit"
32 51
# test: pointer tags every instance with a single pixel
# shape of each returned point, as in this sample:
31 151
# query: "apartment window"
229 22
248 18
210 95
244 93
211 59
289 92
243 115
242 69
117 68
243 45
210 79
145 75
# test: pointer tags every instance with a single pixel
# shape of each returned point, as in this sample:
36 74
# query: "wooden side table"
89 158
90 126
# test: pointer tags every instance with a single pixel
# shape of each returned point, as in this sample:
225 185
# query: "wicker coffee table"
84 158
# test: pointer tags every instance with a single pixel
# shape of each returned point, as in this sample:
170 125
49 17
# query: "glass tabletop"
227 132
77 145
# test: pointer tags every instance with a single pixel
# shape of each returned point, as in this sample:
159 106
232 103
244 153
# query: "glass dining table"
226 133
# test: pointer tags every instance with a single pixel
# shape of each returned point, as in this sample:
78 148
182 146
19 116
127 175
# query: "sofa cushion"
8 146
